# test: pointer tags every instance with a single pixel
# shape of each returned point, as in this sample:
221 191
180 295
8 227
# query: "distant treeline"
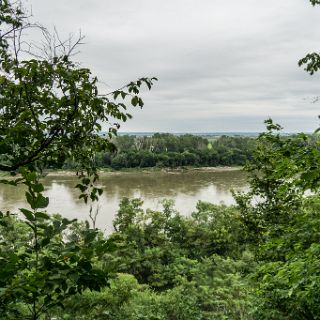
168 150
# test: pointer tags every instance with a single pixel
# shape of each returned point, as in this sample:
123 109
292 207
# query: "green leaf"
28 214
42 215
38 187
135 101
30 200
45 242
90 236
41 201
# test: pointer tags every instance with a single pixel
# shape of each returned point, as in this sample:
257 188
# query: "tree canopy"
51 107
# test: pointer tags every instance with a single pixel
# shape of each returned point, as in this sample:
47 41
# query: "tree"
281 221
51 110
311 60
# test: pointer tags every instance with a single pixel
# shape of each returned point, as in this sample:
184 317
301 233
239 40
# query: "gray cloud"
222 65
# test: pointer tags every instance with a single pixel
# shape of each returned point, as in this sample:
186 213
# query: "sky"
222 65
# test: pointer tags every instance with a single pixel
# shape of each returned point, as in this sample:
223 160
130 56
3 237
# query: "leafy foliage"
314 2
168 150
41 267
257 260
50 109
157 246
283 218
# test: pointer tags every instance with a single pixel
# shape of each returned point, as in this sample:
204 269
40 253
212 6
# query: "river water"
185 188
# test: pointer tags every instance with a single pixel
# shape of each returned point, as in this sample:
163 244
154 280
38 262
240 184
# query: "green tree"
47 267
281 222
311 60
50 110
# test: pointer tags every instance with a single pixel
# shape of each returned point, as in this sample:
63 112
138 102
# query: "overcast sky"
222 65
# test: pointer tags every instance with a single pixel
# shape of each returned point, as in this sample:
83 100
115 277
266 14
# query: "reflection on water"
184 188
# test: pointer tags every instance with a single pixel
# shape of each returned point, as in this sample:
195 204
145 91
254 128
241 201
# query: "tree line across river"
169 150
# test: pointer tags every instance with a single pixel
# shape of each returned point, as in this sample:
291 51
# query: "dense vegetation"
259 259
168 150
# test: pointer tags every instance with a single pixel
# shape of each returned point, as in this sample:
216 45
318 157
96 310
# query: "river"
185 188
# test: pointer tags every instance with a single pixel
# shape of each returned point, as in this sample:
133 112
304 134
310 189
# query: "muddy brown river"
185 188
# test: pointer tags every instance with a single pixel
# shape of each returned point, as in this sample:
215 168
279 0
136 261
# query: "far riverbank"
107 171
